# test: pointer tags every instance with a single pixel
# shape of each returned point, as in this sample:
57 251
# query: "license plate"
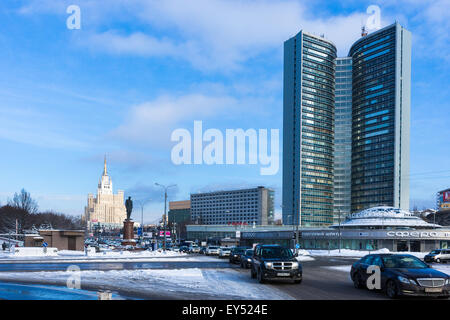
433 290
283 274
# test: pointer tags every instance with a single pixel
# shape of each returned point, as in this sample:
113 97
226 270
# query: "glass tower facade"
381 116
308 130
343 139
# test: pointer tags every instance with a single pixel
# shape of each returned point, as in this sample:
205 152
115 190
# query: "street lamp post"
142 204
165 208
298 223
340 236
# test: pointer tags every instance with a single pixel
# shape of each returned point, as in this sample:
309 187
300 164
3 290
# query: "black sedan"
246 259
400 275
235 254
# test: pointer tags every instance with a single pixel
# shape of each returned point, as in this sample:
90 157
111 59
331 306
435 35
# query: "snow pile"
361 253
303 255
69 254
35 252
302 252
345 252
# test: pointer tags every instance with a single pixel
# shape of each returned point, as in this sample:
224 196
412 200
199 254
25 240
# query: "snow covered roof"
385 217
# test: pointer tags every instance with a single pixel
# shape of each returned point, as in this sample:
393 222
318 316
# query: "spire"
105 172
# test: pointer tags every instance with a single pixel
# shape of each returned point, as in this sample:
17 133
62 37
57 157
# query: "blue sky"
137 70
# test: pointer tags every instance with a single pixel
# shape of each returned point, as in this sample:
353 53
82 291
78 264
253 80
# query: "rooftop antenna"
363 31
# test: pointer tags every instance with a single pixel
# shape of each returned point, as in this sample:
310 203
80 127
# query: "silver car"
224 252
212 250
438 255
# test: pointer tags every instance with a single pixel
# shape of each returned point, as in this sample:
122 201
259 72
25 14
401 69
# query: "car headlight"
447 281
294 265
406 280
250 260
268 265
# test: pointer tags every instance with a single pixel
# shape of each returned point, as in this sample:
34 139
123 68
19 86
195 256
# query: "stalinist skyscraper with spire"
106 209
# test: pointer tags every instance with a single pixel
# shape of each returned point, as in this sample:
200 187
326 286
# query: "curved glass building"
381 117
308 130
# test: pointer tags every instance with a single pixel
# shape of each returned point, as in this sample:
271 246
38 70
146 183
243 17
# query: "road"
323 283
320 280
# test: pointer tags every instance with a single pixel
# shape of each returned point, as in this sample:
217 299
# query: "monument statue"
129 206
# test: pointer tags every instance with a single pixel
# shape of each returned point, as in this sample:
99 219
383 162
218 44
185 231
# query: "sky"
137 70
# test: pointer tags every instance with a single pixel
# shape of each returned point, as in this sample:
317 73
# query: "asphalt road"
322 283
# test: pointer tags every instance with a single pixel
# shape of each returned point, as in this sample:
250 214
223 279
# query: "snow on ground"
340 268
303 258
344 252
178 283
105 256
359 253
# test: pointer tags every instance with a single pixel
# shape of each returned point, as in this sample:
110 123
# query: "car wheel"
260 276
252 273
298 281
357 281
391 289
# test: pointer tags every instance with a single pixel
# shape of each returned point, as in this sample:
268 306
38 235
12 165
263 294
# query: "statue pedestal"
128 233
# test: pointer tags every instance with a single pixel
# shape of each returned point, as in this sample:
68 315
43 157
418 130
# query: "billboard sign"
446 196
161 233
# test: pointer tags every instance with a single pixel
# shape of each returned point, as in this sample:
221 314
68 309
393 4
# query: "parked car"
202 250
246 259
235 254
402 274
438 255
194 249
271 262
212 250
224 252
184 249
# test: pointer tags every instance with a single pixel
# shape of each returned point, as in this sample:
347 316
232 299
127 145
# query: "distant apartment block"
243 206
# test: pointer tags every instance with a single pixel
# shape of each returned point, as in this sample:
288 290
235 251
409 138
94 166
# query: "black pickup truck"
271 262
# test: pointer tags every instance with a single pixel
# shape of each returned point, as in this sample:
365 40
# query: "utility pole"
165 209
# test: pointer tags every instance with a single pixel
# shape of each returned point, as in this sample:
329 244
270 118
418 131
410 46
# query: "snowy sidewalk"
80 257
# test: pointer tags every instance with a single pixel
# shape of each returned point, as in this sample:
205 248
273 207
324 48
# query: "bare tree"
24 202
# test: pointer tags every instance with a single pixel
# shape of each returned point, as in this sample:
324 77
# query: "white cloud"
218 35
152 122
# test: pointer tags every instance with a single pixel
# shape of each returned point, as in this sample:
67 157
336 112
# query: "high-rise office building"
381 118
308 130
346 126
343 139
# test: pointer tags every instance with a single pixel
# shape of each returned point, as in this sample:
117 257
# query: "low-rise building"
371 229
60 239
